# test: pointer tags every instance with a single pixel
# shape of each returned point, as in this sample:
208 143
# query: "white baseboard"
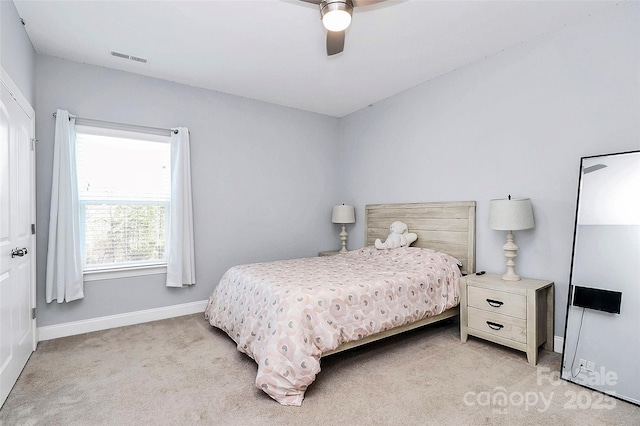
558 343
130 318
120 320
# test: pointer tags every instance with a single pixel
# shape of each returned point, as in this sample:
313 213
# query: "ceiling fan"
336 18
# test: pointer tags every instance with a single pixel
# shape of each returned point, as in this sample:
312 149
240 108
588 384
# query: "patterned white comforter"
285 314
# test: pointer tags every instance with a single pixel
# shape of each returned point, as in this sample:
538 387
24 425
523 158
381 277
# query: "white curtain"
64 261
180 251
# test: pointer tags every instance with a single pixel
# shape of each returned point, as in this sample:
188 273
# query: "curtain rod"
121 126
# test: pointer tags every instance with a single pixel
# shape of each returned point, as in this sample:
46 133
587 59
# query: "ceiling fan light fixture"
336 15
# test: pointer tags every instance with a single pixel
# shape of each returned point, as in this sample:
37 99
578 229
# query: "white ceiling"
274 50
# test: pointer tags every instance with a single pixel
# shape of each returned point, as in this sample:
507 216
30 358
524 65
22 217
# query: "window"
124 191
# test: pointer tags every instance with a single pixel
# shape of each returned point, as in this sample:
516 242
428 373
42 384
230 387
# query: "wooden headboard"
449 227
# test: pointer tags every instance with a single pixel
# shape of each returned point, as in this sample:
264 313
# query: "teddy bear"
399 237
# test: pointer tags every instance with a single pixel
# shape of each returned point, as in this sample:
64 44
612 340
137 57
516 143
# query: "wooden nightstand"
329 253
517 314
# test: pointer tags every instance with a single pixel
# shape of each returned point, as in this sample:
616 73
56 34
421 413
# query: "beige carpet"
181 371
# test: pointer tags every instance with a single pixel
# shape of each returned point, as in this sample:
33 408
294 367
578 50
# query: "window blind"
124 188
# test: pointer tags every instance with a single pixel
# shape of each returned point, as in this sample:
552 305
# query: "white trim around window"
123 272
98 189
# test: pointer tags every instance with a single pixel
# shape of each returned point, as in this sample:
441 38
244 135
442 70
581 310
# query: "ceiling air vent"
131 57
119 55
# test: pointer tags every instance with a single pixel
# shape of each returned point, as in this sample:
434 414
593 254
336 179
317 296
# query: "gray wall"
263 177
17 55
514 123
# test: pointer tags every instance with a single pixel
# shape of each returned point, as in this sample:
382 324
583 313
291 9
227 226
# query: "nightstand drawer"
499 325
500 302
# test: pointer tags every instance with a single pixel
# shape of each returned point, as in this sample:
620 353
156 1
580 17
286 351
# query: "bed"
288 314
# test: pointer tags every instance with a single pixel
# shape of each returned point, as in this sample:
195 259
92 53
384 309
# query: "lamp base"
343 238
510 252
510 277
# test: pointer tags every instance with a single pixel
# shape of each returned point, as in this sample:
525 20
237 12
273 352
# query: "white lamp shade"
511 215
343 214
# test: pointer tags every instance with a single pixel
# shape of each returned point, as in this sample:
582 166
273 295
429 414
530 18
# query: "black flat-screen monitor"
598 299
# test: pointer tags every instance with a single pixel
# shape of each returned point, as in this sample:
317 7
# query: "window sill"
124 272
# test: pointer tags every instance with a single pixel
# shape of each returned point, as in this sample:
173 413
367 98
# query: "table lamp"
343 214
510 215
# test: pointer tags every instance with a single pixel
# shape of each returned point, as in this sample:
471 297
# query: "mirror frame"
571 285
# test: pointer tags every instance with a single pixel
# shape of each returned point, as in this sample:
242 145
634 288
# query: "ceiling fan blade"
335 42
312 1
360 3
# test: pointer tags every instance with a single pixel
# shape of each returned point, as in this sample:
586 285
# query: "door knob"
18 252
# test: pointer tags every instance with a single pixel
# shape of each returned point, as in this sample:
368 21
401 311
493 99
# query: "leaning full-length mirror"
602 335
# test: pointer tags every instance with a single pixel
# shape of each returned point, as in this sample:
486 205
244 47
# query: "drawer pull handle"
494 325
495 303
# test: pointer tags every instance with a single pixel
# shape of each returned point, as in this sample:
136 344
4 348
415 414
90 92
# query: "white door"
17 247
